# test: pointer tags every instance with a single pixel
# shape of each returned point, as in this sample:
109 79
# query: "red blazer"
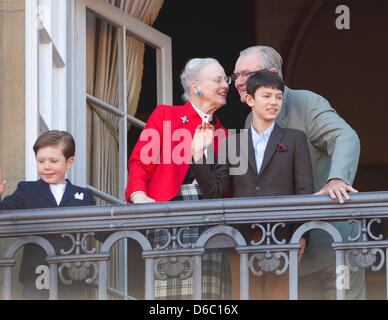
161 157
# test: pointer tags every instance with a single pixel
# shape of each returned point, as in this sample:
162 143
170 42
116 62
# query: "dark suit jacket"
37 195
286 167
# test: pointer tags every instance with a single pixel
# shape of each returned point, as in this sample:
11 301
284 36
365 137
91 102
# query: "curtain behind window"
102 82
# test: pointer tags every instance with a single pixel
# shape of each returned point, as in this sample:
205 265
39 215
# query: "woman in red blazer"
159 167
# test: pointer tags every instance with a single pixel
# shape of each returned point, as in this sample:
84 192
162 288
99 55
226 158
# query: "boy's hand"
2 182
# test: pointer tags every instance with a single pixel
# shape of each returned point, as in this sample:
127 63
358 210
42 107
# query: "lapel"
44 189
275 138
221 133
282 118
248 150
70 191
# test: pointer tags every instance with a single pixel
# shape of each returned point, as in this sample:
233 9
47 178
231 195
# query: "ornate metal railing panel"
222 220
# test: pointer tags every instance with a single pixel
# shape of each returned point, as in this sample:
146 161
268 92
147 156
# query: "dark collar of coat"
44 188
275 139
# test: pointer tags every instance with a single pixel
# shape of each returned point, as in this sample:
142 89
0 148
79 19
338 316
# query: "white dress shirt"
260 141
58 190
205 117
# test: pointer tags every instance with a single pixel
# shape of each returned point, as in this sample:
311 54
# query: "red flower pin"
281 147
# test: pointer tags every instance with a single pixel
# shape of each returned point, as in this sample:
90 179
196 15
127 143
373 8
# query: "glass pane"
102 126
102 60
103 150
141 88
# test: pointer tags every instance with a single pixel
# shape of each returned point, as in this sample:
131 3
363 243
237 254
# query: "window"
107 62
62 92
46 71
114 101
57 92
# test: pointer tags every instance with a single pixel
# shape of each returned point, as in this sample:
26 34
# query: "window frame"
78 96
31 84
137 29
44 57
45 60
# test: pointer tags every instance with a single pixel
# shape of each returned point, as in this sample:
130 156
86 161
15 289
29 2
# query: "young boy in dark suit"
54 153
272 161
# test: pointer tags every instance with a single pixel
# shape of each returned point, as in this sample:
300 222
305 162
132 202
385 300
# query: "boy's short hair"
264 78
55 138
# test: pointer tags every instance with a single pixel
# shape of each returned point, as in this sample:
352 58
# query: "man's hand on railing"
141 197
337 189
2 182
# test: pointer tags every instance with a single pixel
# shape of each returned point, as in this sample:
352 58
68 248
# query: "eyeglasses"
243 75
220 79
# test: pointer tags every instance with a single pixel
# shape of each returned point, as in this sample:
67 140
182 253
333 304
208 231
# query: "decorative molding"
268 262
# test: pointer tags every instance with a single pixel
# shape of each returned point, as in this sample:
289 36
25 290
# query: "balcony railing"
222 217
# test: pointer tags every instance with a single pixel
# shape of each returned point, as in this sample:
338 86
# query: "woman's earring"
198 92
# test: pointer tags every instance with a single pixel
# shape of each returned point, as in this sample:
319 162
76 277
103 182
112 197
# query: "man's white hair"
270 58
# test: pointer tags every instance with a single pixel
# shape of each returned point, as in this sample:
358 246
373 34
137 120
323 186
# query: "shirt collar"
205 117
257 137
58 186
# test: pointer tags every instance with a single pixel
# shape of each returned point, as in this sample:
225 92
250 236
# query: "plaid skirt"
216 277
